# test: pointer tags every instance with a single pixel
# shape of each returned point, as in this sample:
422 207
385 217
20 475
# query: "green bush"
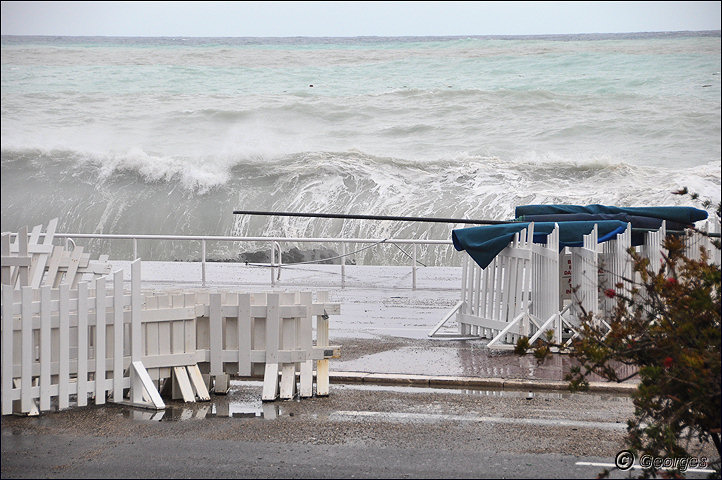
666 326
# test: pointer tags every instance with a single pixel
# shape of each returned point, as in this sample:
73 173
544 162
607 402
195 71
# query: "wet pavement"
358 431
384 323
364 430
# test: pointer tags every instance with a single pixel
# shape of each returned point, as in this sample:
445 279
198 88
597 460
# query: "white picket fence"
33 260
245 334
697 241
56 347
494 295
519 292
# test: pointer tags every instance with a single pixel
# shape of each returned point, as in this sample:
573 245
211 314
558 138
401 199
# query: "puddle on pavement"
451 390
244 401
467 359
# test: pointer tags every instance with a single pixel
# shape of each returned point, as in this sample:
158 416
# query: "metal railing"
275 246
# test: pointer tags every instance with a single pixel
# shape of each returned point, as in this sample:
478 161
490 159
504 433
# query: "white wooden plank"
7 347
196 379
151 334
305 342
32 244
145 383
118 336
26 382
52 276
71 276
164 334
42 258
5 272
322 378
136 305
22 274
322 340
45 348
272 328
178 327
216 332
184 384
189 328
288 381
270 383
64 347
244 334
83 354
100 319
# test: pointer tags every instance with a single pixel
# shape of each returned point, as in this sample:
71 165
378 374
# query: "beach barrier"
81 343
244 334
33 260
615 269
524 292
57 345
696 241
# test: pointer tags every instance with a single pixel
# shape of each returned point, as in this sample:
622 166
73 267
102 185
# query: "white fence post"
83 351
270 377
64 345
8 328
100 317
585 277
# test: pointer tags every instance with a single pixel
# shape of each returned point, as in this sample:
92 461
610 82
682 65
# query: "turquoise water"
134 135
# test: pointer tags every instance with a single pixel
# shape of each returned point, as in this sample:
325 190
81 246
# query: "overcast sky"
318 19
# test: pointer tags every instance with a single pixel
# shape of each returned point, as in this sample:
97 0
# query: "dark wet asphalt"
359 431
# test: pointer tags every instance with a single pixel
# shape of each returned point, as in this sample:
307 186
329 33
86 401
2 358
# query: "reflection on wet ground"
243 401
470 358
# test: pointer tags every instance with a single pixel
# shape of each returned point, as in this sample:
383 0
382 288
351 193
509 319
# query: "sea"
171 135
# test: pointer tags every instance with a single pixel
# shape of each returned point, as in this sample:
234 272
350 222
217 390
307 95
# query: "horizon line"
367 36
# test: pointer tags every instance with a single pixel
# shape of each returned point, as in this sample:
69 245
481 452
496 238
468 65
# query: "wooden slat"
118 336
143 382
100 341
52 276
270 379
38 270
164 332
26 381
190 324
272 328
322 340
305 342
270 383
82 381
45 348
184 384
64 346
6 274
288 381
136 347
151 334
245 335
196 379
7 349
216 332
71 275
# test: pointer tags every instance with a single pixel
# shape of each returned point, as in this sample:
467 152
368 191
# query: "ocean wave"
141 193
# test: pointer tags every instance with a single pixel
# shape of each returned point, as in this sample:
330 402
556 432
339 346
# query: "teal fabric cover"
485 242
686 215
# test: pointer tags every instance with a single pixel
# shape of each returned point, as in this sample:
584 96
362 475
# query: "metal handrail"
272 240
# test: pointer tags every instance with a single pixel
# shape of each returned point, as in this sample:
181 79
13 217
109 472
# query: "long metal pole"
415 219
374 217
